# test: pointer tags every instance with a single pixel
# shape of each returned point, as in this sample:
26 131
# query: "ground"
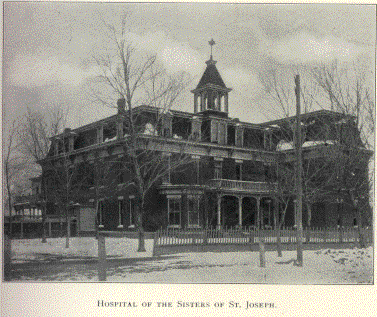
35 261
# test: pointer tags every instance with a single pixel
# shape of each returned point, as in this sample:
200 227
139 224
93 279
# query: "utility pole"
298 173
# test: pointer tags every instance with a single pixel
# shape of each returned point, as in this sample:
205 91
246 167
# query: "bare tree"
137 78
14 163
34 134
348 94
326 167
281 187
69 181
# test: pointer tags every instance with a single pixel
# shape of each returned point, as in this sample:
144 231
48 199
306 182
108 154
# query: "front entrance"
249 212
229 211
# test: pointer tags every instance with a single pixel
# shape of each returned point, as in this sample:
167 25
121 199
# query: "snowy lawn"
320 267
327 266
80 248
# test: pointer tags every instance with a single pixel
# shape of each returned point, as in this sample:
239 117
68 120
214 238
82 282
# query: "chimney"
121 103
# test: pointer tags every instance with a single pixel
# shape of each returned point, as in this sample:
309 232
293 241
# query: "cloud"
305 47
174 55
242 81
33 70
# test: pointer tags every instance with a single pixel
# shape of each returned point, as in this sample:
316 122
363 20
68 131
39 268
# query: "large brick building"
228 181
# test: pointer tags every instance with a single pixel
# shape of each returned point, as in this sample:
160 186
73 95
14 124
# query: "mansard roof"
309 115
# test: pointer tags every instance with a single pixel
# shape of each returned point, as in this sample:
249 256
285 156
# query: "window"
121 212
132 212
100 213
193 211
174 211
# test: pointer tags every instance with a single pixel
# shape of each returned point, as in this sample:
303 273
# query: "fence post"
7 257
101 257
340 234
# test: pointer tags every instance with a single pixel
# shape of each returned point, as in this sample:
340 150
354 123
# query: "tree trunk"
359 221
68 221
139 219
309 208
262 252
44 224
279 248
360 229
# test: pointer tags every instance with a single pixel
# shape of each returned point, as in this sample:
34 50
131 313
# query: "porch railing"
242 185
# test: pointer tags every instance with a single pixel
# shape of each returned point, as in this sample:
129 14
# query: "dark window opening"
253 139
146 123
231 135
206 131
181 128
85 139
109 132
238 171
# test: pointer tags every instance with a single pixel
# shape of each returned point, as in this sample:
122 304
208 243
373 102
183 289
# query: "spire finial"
211 43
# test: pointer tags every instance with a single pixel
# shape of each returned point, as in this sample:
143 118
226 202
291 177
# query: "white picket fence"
171 237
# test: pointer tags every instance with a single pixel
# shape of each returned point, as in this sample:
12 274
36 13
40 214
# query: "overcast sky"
47 48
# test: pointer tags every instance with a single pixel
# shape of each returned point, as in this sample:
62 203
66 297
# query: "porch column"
240 211
196 128
219 211
119 124
269 201
239 135
195 103
258 212
265 131
218 167
120 211
100 134
295 213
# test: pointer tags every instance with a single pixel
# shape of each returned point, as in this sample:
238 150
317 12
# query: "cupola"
211 93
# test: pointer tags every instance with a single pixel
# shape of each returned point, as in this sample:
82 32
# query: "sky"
48 49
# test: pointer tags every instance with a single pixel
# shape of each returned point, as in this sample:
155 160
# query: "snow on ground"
320 267
83 247
327 266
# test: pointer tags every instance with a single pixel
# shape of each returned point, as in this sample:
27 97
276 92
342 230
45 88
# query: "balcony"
246 186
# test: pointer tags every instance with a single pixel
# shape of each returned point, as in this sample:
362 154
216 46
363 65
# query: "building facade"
230 179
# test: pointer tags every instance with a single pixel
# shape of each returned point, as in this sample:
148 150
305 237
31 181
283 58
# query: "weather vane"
211 42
